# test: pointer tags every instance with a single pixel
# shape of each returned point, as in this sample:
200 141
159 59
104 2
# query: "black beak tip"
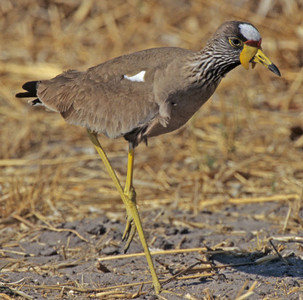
274 69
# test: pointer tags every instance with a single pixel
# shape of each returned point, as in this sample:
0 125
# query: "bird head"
242 42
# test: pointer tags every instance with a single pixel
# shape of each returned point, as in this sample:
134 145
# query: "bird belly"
183 107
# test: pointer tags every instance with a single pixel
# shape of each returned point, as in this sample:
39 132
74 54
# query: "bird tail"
31 91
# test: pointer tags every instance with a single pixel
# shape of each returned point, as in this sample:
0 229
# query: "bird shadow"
229 265
266 266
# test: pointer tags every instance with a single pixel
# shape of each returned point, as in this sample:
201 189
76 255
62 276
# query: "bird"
146 94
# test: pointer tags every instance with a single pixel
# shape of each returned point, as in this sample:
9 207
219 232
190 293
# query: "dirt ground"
235 257
221 199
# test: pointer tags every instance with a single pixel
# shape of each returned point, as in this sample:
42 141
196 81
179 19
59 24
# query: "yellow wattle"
247 54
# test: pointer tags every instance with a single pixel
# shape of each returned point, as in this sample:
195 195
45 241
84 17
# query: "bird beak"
254 55
262 59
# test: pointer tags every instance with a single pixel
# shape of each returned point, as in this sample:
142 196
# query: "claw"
130 235
126 230
130 227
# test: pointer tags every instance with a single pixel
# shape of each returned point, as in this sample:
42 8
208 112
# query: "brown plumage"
146 94
174 88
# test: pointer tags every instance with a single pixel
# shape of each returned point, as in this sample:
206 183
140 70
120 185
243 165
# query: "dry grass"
237 146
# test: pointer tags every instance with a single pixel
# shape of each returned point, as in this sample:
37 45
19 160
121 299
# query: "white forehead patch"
249 32
138 77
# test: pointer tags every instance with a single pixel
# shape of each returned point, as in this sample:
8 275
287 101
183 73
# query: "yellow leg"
129 191
130 167
128 199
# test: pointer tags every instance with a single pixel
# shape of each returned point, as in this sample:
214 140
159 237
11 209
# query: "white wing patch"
249 32
137 77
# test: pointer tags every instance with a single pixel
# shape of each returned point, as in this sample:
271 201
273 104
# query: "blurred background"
245 143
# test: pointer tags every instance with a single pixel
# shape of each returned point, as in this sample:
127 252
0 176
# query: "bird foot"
130 228
129 232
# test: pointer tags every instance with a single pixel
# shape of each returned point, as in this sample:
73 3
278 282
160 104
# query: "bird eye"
235 42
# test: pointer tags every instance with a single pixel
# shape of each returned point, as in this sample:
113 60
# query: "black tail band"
31 88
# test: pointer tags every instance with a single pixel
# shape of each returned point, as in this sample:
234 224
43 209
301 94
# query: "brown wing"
103 99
